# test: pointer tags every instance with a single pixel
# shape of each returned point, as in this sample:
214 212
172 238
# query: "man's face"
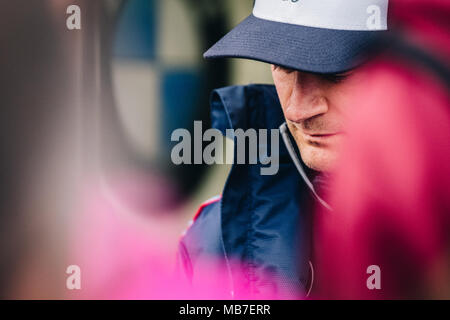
315 108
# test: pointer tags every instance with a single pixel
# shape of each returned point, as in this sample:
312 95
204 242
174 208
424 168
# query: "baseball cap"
320 36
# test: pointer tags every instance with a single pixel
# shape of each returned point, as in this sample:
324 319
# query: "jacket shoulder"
205 217
202 239
207 206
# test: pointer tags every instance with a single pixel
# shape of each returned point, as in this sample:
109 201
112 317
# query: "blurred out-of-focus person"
389 234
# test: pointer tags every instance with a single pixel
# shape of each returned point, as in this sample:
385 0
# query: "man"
264 222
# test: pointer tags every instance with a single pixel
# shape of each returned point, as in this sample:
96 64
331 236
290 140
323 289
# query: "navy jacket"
261 221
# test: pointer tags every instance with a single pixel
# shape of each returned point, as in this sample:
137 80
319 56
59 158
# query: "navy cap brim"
296 47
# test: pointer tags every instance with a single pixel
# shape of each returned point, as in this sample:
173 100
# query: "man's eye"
337 77
283 69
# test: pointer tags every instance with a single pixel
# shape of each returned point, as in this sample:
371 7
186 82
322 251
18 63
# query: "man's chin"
318 159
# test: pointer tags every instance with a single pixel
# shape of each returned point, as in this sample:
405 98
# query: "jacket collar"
265 220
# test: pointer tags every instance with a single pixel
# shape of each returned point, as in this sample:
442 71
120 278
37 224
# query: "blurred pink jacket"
391 192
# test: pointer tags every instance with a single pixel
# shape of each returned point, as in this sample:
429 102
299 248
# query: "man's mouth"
320 137
317 135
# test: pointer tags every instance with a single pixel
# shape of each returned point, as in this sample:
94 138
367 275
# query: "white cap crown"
356 15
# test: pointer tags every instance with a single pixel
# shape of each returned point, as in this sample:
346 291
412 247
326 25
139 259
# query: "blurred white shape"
179 43
136 87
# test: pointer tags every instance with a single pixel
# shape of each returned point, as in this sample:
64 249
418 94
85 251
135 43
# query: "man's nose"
307 99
